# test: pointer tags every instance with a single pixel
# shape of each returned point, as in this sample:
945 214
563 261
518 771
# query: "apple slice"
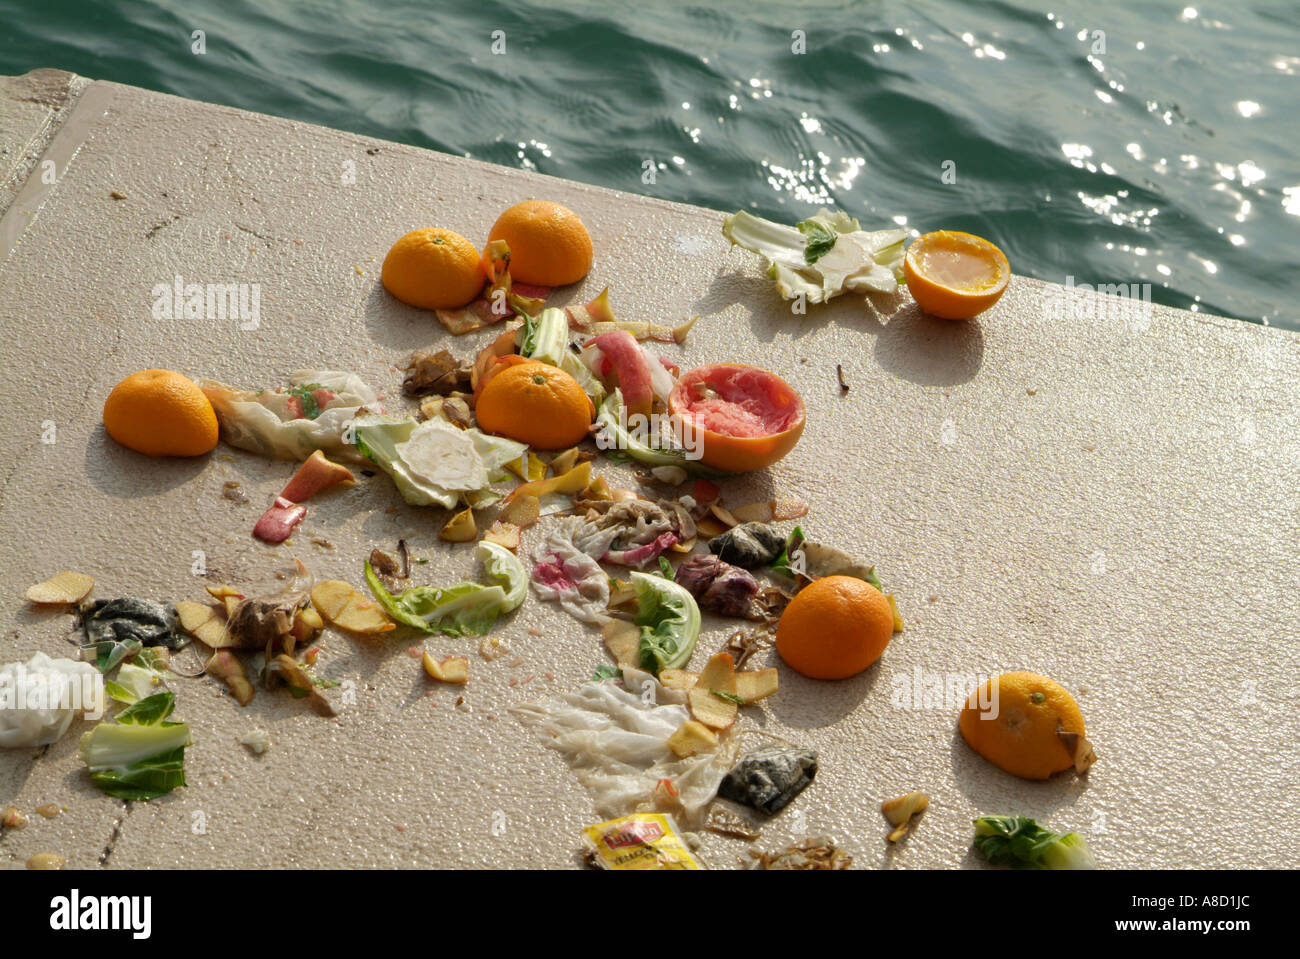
344 608
788 509
753 512
678 679
452 669
521 512
623 640
505 535
306 624
222 591
224 666
315 474
205 624
65 589
751 687
713 699
691 738
461 528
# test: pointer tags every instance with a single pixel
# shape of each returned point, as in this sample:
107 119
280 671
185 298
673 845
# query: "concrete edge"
57 92
76 102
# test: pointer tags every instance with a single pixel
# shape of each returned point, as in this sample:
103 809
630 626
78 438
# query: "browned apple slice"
222 591
344 608
678 679
65 589
204 623
521 511
452 669
713 699
623 640
506 535
691 738
226 667
753 512
751 687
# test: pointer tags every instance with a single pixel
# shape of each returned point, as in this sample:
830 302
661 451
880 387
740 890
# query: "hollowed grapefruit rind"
743 418
950 303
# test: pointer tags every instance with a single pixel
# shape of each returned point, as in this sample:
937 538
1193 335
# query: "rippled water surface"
1111 141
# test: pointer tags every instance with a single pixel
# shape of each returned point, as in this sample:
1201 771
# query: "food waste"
508 446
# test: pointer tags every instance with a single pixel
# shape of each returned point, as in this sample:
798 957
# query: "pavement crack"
116 834
265 238
160 224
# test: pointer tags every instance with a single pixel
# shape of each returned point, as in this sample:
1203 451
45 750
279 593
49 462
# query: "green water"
1159 150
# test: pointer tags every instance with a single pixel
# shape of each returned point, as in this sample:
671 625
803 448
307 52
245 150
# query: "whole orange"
549 246
834 628
161 413
1019 729
537 404
433 269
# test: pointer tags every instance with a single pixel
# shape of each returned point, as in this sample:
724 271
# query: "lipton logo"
633 834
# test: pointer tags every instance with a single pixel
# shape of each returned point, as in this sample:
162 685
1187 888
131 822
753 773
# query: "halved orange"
954 275
735 417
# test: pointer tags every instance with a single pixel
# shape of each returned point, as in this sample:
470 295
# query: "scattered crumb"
415 652
518 661
257 740
1031 391
117 195
231 490
550 675
322 542
492 647
49 811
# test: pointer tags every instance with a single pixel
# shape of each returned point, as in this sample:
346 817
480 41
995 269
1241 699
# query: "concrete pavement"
1109 499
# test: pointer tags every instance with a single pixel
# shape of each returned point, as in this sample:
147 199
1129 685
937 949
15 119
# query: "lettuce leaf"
1022 843
546 339
823 256
140 755
505 569
133 684
433 463
616 441
465 609
669 619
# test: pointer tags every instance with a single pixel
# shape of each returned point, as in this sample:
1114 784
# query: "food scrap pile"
503 443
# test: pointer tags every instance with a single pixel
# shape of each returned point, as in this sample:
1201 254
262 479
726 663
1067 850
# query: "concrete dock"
1105 494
